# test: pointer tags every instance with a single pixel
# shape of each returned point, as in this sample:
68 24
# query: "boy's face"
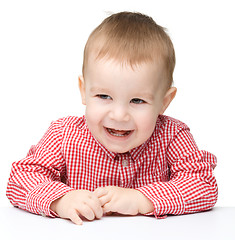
123 104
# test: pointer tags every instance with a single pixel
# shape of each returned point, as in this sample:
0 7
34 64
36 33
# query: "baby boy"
123 155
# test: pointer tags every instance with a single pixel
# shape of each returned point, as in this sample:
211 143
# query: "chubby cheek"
146 124
94 115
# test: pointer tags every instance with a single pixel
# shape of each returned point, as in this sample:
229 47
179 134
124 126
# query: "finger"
108 208
95 205
86 211
99 192
75 218
104 199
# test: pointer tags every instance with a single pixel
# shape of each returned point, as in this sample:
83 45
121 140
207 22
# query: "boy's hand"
123 200
78 203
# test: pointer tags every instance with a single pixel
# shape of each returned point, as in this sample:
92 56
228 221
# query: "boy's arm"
35 181
192 186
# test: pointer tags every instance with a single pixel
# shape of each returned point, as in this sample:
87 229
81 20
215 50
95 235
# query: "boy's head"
132 39
127 76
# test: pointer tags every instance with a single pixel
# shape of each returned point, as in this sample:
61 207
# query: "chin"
118 149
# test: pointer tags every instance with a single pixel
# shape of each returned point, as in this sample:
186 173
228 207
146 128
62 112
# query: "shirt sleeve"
35 181
192 186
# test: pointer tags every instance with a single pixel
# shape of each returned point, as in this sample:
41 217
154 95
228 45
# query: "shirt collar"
110 154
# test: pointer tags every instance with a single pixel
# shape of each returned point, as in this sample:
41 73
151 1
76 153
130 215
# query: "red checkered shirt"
168 168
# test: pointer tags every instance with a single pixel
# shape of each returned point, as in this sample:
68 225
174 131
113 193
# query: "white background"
41 50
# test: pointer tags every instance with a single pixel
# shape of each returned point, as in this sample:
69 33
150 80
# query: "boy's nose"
119 114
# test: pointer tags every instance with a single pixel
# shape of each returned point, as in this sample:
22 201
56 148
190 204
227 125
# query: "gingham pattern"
169 169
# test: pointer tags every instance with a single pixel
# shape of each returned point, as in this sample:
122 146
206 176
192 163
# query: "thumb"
108 208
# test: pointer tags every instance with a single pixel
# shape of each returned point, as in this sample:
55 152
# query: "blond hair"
131 38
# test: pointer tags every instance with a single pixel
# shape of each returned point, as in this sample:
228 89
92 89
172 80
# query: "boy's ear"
169 96
81 85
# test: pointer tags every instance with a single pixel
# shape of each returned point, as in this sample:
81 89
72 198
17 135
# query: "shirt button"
125 163
43 214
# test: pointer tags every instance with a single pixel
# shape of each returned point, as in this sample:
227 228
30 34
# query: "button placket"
126 170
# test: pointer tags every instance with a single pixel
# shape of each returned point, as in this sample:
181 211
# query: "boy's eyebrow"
147 95
106 90
98 89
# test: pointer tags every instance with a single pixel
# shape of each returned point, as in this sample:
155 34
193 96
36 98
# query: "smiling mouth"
118 133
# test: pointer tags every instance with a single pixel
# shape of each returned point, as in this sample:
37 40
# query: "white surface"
215 224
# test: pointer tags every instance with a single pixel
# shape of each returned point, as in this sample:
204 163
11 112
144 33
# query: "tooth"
114 132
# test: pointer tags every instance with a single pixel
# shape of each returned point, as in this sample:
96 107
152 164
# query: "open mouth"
118 133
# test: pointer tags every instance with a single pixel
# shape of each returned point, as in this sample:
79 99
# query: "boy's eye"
103 96
137 101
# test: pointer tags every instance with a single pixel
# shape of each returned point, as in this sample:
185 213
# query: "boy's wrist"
144 204
53 205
